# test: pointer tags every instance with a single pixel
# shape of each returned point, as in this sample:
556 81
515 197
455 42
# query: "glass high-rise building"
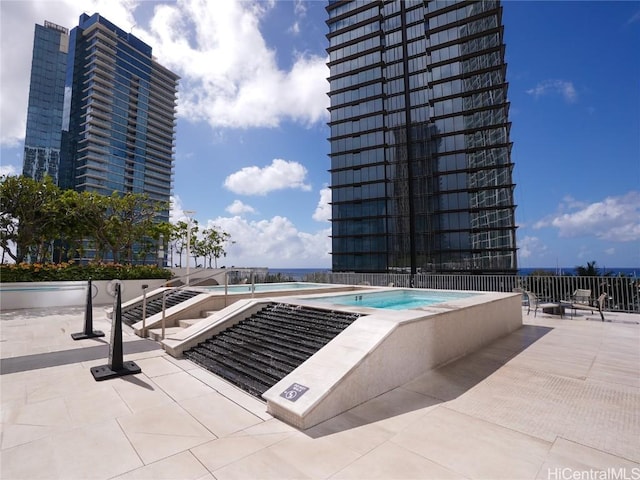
114 112
46 93
421 171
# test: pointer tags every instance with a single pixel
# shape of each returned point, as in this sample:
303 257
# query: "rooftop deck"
552 400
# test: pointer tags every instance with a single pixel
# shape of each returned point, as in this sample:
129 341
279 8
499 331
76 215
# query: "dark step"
249 385
289 330
294 354
235 371
294 327
249 358
261 350
154 305
285 339
317 325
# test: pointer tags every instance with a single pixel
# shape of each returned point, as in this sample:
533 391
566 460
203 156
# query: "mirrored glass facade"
118 125
46 93
421 171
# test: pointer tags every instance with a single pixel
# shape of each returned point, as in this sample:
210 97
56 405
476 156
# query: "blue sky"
251 146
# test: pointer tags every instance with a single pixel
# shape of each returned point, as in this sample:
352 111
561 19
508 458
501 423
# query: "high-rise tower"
46 93
421 171
120 114
113 114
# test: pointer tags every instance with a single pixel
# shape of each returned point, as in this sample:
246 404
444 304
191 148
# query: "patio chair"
581 300
532 302
553 308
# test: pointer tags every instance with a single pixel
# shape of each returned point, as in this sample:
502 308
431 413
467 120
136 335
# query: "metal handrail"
623 293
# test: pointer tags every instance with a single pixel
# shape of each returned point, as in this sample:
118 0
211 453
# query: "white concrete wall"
382 351
20 295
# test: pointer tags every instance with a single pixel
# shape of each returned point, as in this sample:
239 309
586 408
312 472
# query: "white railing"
623 292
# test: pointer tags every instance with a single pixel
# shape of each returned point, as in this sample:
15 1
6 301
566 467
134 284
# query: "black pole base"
105 372
83 335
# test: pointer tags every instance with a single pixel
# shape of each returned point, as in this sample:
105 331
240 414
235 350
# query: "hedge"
53 272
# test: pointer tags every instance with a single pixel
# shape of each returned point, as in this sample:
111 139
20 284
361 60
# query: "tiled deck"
557 398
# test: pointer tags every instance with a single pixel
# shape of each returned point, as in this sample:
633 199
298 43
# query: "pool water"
266 287
396 299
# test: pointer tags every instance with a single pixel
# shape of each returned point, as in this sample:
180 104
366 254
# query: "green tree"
591 270
83 214
29 217
129 219
180 238
212 245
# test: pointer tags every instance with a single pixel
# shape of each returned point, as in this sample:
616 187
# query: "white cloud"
560 87
531 247
177 211
238 208
17 24
8 170
280 175
230 77
274 240
614 219
323 210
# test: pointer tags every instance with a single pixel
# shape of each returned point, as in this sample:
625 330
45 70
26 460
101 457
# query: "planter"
21 295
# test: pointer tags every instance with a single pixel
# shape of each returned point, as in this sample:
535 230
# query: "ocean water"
298 274
615 271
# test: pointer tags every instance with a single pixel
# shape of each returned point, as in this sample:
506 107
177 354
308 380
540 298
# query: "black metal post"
89 332
116 367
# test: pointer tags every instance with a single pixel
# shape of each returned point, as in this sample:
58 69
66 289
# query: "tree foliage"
29 216
211 245
35 215
47 224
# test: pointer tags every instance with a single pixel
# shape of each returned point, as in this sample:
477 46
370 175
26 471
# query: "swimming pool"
401 299
265 287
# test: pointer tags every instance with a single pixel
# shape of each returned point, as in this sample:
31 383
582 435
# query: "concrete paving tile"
395 409
156 366
13 388
452 380
534 403
80 453
183 466
219 414
89 452
162 431
233 393
95 405
56 382
268 427
47 413
30 461
224 451
260 465
606 417
139 392
559 366
568 459
615 373
472 447
390 461
13 435
314 457
351 433
181 386
183 363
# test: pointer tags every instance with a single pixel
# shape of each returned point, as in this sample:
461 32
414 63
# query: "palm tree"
589 271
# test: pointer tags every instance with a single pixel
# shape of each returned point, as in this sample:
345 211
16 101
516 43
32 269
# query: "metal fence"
623 293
